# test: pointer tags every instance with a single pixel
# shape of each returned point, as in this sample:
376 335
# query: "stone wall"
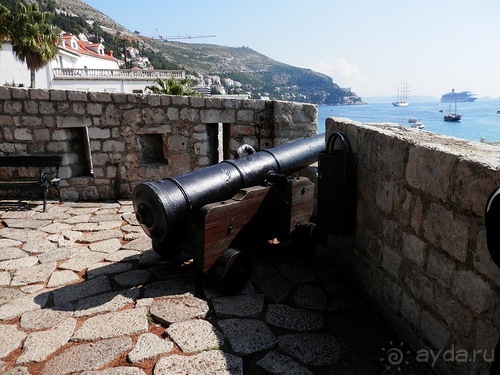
110 141
419 250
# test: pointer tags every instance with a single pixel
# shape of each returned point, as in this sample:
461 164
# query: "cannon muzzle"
166 207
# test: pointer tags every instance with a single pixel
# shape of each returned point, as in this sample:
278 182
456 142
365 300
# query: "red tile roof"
86 48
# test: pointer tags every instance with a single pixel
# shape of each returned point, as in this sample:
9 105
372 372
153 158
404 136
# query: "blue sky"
370 46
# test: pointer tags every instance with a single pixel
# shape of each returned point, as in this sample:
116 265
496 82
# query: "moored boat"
416 123
452 117
453 97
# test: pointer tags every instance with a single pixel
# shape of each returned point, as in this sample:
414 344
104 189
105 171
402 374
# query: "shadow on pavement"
123 282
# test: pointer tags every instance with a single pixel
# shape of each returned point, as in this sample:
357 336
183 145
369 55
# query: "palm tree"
5 22
34 39
172 87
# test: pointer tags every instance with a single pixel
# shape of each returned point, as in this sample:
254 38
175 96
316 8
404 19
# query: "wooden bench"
24 178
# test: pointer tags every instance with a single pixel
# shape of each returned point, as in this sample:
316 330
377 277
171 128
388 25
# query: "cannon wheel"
163 249
232 270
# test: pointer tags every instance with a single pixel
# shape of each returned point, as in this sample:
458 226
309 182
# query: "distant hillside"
258 74
224 69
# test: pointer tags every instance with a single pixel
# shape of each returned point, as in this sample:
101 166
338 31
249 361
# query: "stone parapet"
114 141
419 250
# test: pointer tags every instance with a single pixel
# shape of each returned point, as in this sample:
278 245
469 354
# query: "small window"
137 91
150 149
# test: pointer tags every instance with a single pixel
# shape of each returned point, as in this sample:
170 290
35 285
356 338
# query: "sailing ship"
453 97
402 96
452 117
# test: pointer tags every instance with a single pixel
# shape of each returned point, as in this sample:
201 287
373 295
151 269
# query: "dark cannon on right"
218 212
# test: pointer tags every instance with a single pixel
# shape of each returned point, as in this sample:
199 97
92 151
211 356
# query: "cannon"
207 212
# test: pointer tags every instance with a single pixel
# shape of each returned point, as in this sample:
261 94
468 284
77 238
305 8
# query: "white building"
80 65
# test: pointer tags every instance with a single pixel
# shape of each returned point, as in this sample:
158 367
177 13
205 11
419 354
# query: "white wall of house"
12 71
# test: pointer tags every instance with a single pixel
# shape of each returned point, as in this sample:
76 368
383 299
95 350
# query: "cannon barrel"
166 207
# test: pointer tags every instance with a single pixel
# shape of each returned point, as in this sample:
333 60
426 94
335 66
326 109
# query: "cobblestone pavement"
81 291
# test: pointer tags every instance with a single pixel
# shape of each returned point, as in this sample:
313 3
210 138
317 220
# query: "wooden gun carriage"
219 213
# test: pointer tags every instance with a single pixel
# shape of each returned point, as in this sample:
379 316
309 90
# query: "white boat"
416 123
402 97
458 97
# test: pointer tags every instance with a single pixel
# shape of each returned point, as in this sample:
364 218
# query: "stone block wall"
419 251
110 142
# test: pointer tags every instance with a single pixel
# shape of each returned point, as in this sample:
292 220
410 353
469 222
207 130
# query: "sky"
370 46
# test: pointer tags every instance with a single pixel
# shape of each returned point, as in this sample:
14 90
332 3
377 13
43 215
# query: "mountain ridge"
230 70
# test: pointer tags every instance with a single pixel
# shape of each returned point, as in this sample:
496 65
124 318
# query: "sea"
480 121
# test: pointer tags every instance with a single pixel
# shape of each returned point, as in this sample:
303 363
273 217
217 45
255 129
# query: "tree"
5 21
34 39
172 87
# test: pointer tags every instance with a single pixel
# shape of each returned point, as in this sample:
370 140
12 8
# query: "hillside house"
83 66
